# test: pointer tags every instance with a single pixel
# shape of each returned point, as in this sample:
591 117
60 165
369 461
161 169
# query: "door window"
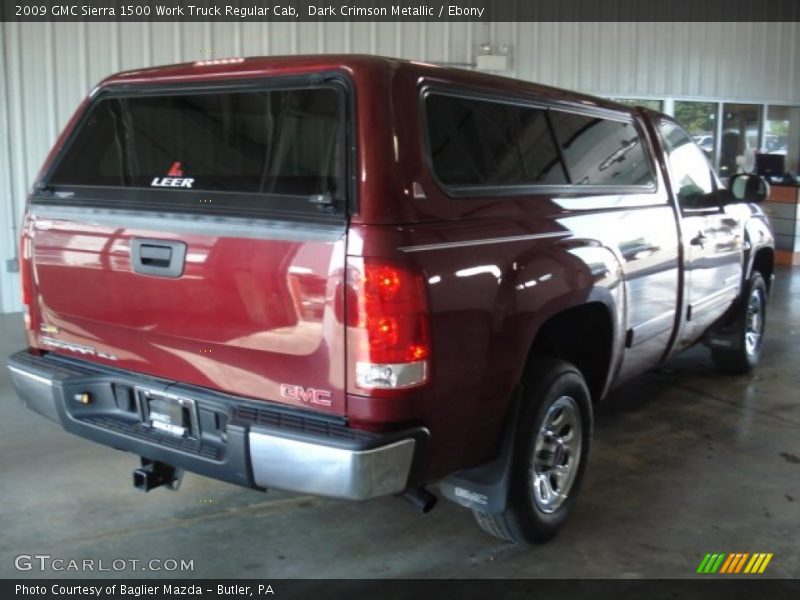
689 170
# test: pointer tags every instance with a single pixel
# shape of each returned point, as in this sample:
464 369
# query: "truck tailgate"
254 315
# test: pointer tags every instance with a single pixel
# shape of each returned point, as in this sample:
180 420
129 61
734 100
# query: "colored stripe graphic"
734 563
765 563
718 563
703 563
727 564
730 564
754 564
711 562
741 562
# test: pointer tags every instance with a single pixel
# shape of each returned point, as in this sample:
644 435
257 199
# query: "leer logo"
734 563
175 170
175 178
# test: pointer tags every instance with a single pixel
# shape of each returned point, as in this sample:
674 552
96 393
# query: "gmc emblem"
307 395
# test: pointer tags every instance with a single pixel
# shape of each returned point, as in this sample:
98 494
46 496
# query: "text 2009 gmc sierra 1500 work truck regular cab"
353 276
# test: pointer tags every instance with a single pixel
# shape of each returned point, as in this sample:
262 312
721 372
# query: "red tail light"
388 336
25 278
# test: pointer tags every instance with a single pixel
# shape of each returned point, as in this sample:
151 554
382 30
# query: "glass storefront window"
781 139
699 119
643 102
741 128
746 136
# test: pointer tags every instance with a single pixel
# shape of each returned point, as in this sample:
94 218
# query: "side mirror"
745 187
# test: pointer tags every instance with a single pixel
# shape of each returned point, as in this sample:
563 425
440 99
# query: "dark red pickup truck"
354 276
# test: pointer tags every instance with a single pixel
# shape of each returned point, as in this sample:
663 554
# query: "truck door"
712 236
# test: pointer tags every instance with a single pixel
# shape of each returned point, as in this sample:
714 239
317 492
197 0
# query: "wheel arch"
764 262
761 254
585 335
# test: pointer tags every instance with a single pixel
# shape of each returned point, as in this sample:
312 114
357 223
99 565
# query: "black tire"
528 518
749 324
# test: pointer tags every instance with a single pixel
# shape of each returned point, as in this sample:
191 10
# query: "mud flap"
729 338
729 333
485 488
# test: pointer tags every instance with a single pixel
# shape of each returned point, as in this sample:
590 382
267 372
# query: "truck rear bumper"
248 442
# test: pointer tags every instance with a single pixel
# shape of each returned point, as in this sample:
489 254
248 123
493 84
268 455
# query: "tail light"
388 337
25 279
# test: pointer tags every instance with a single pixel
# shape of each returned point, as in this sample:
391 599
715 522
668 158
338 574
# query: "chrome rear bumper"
250 443
308 467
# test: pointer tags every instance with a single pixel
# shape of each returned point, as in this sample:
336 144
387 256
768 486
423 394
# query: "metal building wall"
48 68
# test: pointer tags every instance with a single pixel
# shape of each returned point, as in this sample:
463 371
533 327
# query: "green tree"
696 117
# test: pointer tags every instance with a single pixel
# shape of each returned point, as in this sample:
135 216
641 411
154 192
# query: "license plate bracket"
168 413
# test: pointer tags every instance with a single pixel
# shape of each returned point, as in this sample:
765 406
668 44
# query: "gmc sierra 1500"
354 276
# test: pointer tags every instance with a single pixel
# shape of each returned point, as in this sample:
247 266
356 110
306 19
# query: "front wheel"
550 454
749 327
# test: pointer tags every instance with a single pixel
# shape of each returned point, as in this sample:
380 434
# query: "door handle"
161 258
699 239
157 256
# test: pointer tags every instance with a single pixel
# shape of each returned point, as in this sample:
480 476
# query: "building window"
656 105
741 129
699 120
781 139
748 143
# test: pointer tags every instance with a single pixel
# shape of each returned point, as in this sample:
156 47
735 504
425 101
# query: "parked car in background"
776 144
705 142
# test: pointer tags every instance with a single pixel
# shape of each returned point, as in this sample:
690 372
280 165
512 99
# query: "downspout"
12 266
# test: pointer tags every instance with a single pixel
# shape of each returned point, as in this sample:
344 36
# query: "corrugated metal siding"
48 68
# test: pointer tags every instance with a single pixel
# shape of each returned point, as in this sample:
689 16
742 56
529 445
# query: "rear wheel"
749 325
550 454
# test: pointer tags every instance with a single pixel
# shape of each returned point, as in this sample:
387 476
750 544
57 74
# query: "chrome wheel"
556 454
748 324
754 322
551 446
